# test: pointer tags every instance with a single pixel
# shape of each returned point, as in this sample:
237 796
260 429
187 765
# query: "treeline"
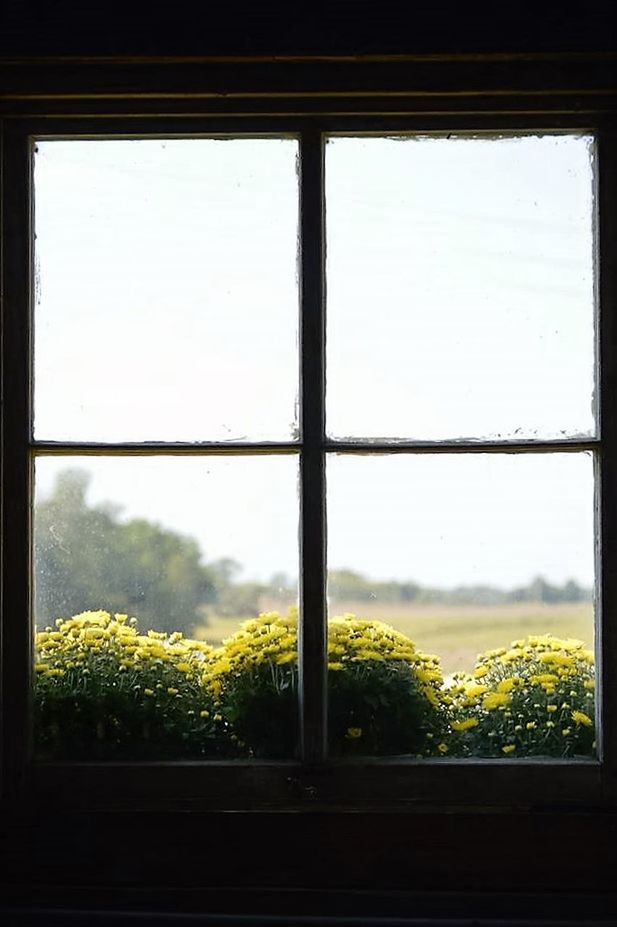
347 585
87 557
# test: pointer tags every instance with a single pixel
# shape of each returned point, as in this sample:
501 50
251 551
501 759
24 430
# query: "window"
478 433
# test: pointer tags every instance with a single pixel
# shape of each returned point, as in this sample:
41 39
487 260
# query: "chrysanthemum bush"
103 690
253 680
535 698
384 696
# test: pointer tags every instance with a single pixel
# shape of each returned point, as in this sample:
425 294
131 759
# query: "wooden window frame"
307 100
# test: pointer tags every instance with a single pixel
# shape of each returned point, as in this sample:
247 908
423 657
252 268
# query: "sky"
459 305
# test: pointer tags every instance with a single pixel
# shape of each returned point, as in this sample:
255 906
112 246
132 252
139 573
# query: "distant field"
457 633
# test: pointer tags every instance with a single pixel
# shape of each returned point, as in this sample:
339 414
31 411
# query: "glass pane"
167 305
460 592
460 287
147 571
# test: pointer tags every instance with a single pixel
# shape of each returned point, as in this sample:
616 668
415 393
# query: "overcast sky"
460 304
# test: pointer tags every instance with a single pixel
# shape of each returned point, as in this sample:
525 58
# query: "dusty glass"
471 578
167 297
144 567
460 287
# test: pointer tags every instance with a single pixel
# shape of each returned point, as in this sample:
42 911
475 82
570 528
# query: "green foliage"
237 600
84 555
349 586
253 678
535 698
105 692
383 694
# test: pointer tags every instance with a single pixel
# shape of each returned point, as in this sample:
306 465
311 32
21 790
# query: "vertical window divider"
312 630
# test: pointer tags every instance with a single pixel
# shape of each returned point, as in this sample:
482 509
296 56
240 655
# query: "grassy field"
456 633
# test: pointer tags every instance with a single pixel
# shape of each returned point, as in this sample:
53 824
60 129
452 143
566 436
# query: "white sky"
460 304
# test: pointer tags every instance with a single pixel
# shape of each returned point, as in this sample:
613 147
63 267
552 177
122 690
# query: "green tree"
86 558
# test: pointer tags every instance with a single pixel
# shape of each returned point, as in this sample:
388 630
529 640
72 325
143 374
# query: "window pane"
167 304
196 546
460 287
461 555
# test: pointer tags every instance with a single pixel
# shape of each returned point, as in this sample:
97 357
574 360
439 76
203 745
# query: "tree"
86 558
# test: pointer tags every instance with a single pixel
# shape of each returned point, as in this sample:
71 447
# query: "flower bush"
253 681
105 691
535 698
384 696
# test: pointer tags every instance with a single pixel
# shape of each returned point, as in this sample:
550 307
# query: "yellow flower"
531 725
204 714
495 700
480 672
557 658
353 733
551 708
512 654
579 717
184 667
366 655
172 691
148 692
544 678
566 731
509 748
464 725
443 748
472 690
506 685
288 657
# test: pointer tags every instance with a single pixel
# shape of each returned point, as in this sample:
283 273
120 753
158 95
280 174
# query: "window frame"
405 785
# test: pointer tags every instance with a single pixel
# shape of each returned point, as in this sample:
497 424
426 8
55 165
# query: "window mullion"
312 630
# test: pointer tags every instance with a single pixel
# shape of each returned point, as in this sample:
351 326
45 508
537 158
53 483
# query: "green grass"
456 633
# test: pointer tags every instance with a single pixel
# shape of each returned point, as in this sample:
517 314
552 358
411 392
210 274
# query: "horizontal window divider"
157 448
464 446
